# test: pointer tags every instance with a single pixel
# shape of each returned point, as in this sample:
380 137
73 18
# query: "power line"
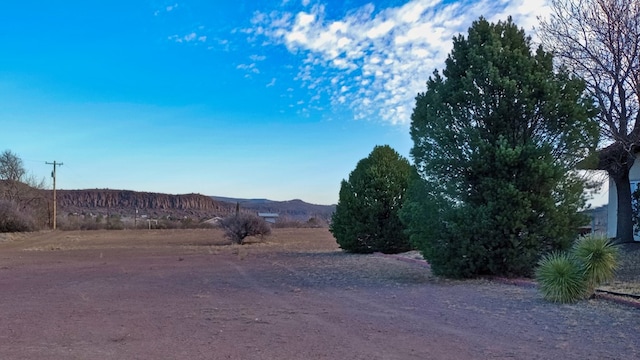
53 175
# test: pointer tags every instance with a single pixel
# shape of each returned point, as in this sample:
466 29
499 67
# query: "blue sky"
275 99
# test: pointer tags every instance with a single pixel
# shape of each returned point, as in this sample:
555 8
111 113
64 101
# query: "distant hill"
236 200
156 205
292 209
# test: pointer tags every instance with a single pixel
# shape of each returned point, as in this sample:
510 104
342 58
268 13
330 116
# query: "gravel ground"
189 295
629 269
628 273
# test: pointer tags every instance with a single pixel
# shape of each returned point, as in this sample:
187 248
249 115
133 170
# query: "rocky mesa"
126 203
196 206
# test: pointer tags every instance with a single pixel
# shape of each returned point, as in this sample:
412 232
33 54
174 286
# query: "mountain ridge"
127 202
295 209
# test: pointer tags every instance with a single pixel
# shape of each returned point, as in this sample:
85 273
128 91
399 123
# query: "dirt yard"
186 295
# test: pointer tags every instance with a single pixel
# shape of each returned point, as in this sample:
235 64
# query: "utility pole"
53 175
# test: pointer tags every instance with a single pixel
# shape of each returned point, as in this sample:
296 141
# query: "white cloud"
168 8
257 57
188 38
249 68
381 29
303 19
382 58
252 68
296 37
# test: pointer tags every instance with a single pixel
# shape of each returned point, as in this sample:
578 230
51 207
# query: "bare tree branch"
11 167
599 41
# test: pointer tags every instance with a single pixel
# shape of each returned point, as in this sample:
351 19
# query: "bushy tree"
14 220
496 137
366 217
11 167
238 227
23 191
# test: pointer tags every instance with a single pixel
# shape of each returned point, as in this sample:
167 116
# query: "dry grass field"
188 294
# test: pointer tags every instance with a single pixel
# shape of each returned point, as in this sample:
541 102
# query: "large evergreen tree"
366 217
496 138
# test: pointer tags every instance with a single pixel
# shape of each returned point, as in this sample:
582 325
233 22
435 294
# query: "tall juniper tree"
496 137
366 217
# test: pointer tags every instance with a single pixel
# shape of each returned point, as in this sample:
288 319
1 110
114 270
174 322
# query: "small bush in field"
238 227
599 258
561 278
14 220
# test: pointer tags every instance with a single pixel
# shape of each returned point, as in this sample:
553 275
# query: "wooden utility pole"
53 175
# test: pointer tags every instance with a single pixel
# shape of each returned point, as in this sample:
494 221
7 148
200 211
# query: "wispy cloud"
249 67
190 37
257 57
375 61
168 8
252 68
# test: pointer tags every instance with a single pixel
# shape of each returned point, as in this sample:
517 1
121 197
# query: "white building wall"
612 210
612 218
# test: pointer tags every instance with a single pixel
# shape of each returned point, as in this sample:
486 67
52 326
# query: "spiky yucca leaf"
599 257
561 278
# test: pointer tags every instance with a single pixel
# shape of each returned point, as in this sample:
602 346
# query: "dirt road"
185 295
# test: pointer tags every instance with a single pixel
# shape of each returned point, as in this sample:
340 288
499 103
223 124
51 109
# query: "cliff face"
126 202
196 206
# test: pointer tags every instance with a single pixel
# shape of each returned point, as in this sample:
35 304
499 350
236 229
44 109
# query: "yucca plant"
561 278
599 257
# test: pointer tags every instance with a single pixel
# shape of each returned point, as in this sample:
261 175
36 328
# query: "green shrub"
561 277
570 276
599 258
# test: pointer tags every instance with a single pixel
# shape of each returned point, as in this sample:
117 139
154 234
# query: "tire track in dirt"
308 318
182 298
